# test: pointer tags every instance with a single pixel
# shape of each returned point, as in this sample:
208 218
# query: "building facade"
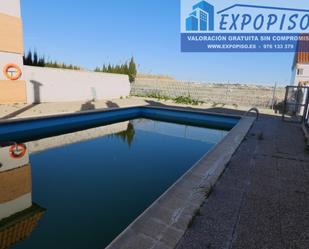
301 70
12 83
24 84
300 78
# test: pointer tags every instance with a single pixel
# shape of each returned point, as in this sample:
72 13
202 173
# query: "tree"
129 69
41 62
109 68
28 58
132 70
35 58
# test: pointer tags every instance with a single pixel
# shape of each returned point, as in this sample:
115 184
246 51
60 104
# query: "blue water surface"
94 189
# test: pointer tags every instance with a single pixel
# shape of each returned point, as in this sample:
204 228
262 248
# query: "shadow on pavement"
18 112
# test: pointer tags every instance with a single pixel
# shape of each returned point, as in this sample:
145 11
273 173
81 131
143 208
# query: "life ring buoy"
9 75
17 151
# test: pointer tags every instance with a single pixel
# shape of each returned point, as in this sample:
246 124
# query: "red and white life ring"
12 71
17 151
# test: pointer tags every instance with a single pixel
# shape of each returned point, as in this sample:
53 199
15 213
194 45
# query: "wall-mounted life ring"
12 71
17 151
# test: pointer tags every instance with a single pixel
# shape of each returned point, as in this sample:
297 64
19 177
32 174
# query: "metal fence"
296 104
307 118
244 95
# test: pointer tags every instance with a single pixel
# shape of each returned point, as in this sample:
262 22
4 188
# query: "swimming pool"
29 129
95 182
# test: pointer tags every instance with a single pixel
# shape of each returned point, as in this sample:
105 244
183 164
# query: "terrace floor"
31 110
262 199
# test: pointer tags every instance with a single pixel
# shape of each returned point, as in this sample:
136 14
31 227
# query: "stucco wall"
11 51
11 31
305 76
59 85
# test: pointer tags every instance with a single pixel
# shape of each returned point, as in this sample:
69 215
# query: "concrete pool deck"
32 110
260 201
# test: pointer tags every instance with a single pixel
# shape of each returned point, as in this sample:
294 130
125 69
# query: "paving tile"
231 181
204 241
305 166
183 222
182 191
214 227
296 244
291 170
259 225
139 242
123 240
191 209
265 166
163 214
294 217
239 170
225 194
172 237
150 227
172 202
161 246
290 189
264 187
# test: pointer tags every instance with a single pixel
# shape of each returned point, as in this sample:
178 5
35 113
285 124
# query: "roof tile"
302 55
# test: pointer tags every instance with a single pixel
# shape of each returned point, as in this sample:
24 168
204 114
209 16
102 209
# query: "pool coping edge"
81 113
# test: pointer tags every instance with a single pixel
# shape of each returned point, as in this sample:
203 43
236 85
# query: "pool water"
93 189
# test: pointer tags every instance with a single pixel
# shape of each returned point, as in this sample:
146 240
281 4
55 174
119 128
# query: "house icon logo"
202 17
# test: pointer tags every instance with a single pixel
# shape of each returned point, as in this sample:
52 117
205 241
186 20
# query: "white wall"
10 7
305 76
59 85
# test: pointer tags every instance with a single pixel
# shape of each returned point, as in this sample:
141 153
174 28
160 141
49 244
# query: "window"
300 71
203 16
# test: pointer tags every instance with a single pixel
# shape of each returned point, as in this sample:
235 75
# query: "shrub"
129 69
187 100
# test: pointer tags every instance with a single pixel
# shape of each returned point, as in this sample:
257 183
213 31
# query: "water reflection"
127 136
180 131
76 137
169 129
18 215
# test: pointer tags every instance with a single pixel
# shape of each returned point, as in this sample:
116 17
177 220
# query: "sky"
91 33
